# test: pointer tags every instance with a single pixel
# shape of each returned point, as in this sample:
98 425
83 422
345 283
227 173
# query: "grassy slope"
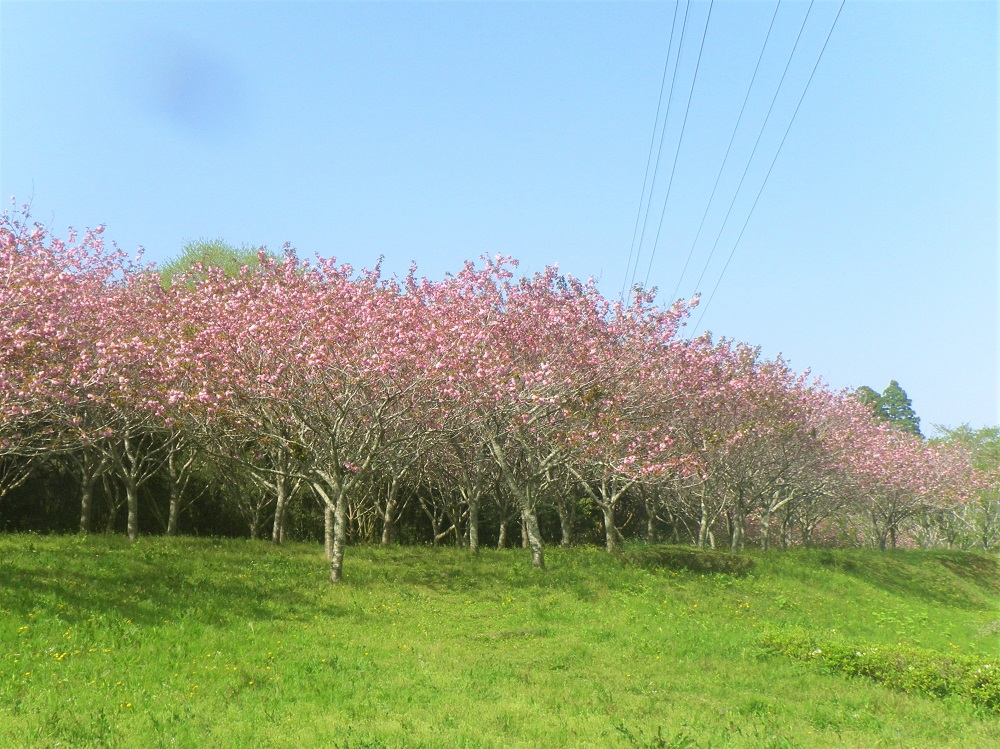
205 643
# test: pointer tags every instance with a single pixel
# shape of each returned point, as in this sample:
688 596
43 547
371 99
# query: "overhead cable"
725 159
652 142
680 141
663 131
756 144
782 143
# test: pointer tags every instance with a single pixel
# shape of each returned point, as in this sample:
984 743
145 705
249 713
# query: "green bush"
902 667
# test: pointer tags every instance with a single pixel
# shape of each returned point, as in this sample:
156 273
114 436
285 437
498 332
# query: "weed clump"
901 667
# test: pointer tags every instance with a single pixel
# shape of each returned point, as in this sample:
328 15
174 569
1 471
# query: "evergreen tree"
898 408
873 400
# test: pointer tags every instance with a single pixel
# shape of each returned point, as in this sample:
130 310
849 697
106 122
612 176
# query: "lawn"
230 643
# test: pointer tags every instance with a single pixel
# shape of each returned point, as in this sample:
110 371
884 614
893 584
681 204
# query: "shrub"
902 667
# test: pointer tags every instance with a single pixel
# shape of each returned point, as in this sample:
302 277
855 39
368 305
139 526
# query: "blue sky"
439 132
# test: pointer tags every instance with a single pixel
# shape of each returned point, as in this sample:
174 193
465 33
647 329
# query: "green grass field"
228 643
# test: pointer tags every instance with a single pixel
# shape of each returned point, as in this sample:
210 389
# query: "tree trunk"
565 525
132 501
389 521
502 540
339 538
435 524
806 534
474 525
177 476
175 509
739 531
111 494
256 522
328 531
86 502
109 526
765 526
279 510
612 538
786 529
529 522
703 529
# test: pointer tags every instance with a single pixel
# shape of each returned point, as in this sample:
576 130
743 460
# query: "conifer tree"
898 408
873 400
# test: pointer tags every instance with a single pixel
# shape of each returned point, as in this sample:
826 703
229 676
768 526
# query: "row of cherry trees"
478 390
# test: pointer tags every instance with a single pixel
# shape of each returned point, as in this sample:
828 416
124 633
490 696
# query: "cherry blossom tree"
477 392
52 295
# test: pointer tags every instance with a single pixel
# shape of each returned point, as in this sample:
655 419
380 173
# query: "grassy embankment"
207 643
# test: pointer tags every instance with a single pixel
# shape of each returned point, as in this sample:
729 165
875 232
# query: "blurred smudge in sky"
187 86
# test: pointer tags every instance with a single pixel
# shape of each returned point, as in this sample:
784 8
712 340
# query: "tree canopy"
531 400
198 256
892 405
899 409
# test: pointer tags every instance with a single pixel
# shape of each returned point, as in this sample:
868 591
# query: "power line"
680 141
652 141
782 143
666 118
753 152
725 159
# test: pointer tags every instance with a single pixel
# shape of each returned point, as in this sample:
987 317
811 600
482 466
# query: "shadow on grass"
956 578
688 558
88 579
221 581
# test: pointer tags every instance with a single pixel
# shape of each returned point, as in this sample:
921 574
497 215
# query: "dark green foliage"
898 408
871 399
904 667
688 558
682 740
892 405
39 504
